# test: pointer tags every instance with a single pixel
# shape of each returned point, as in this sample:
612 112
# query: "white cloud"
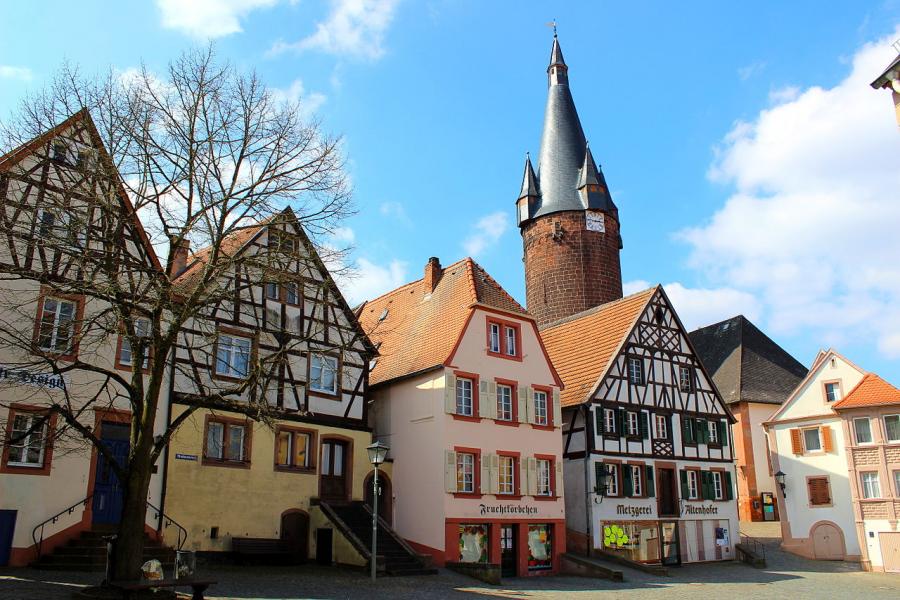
698 307
310 102
395 211
11 72
748 71
811 226
488 231
785 94
344 235
367 280
208 18
353 28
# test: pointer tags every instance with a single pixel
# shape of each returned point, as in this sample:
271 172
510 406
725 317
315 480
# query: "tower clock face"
594 221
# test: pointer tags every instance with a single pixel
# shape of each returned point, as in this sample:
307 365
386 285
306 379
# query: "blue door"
7 528
108 494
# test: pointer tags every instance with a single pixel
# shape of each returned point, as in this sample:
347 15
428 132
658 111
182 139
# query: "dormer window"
503 339
832 391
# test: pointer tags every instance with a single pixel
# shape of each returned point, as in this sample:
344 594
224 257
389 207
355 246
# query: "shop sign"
507 510
633 511
709 509
26 377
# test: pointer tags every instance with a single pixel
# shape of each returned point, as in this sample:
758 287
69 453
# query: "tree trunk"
128 550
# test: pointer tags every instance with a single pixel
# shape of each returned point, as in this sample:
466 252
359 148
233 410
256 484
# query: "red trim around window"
48 445
122 366
553 491
477 475
76 329
514 396
503 324
473 377
549 391
517 475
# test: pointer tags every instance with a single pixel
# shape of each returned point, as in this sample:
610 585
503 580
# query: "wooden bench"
247 546
197 585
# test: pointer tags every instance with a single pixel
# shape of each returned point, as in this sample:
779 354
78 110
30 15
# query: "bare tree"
150 165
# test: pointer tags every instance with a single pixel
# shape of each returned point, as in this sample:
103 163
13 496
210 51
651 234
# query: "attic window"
383 315
659 314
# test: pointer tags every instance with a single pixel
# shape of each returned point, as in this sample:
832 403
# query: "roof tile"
871 391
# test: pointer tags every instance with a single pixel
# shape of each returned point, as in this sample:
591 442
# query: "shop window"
635 540
473 543
540 548
871 487
863 430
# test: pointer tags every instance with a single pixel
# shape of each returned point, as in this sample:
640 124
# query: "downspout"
165 454
588 504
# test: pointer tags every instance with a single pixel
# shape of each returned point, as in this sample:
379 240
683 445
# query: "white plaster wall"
810 398
873 544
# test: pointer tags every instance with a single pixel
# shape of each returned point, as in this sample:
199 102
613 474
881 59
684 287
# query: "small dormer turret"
528 194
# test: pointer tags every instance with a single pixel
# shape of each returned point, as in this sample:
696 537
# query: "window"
811 440
323 374
290 293
633 426
635 370
507 475
142 330
56 226
57 325
612 480
610 419
892 428
292 449
465 472
226 442
897 483
685 379
511 341
693 485
28 440
832 391
464 405
495 338
717 485
863 430
47 223
544 469
233 356
540 407
272 291
870 485
636 481
713 428
60 151
504 403
819 494
662 427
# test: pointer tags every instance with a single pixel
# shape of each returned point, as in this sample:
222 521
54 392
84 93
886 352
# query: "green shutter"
650 488
598 419
626 478
621 421
644 425
707 485
687 427
701 433
684 484
726 478
599 470
723 432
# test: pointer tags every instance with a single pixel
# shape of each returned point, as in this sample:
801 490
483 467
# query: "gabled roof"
582 346
745 364
872 390
884 80
416 331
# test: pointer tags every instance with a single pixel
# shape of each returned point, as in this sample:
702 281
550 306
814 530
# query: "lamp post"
779 478
377 453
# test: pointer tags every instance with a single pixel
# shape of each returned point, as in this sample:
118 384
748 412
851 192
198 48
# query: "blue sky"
754 169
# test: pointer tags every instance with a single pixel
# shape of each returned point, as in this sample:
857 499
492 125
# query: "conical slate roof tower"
568 221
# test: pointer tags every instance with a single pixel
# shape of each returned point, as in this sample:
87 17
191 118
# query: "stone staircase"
87 552
354 520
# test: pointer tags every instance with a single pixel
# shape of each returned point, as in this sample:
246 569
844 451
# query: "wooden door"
295 531
508 556
666 493
108 492
333 477
7 529
890 550
385 495
324 540
827 542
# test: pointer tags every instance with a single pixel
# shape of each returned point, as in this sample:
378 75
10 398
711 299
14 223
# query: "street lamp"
779 478
603 477
377 452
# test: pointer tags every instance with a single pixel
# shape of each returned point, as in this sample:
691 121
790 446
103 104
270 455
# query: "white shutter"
492 400
529 404
532 477
522 476
558 483
450 393
495 474
523 410
485 473
450 481
557 410
484 402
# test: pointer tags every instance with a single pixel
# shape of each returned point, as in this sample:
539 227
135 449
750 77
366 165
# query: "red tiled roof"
581 346
416 331
871 391
230 246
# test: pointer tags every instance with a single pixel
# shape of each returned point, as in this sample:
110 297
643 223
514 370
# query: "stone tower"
569 224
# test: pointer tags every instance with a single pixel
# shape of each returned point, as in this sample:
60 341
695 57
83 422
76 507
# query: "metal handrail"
758 547
167 520
39 542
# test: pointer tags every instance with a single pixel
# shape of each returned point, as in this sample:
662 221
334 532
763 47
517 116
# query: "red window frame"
514 396
474 378
78 299
248 442
549 392
553 491
503 324
48 448
517 475
476 452
122 366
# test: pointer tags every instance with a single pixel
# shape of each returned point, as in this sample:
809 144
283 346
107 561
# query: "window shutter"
626 480
649 484
521 482
818 491
621 421
529 405
492 399
644 425
599 471
825 432
599 420
706 491
450 471
532 477
557 483
701 433
523 408
687 428
485 460
557 409
450 393
796 442
484 402
495 473
726 481
684 484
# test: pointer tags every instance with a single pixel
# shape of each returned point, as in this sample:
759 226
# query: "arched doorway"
385 495
295 531
828 541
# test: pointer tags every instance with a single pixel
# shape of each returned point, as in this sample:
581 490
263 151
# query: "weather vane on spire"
553 25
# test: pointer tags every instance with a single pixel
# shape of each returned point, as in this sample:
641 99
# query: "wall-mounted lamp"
602 479
779 478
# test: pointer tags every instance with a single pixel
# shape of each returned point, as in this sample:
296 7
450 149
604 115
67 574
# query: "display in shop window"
473 543
540 551
614 536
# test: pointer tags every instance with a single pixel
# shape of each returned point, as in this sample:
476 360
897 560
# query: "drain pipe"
165 453
588 505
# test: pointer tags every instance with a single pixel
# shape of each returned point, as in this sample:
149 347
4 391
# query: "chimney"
432 274
179 257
